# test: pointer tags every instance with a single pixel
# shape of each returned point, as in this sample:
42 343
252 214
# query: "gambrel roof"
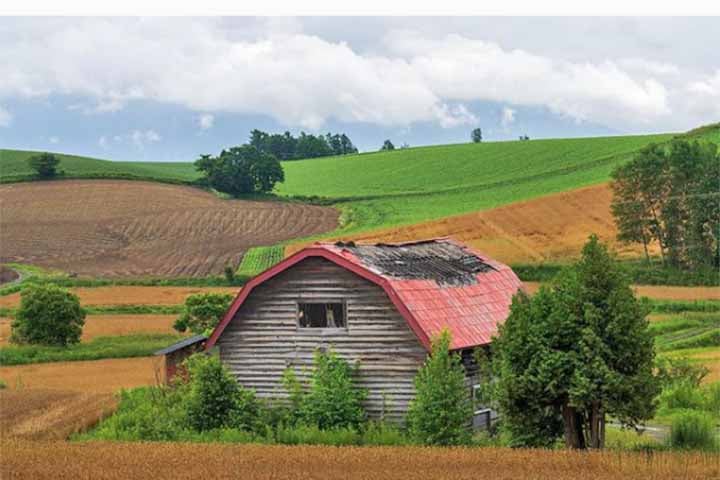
435 284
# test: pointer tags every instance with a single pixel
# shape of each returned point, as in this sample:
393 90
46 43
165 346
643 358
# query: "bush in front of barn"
48 315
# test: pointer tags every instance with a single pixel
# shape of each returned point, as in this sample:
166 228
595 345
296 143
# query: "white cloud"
54 140
507 117
5 117
140 138
103 142
206 121
211 65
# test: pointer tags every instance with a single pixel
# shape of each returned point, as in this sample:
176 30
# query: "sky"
170 89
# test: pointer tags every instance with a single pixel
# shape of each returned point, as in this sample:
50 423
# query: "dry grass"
542 229
129 228
41 414
129 295
109 325
102 376
660 292
23 459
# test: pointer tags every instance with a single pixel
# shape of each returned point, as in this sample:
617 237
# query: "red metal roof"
470 310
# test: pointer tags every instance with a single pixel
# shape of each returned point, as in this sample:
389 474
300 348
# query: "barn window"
321 315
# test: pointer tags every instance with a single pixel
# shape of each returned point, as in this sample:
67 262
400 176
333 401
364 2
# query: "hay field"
110 325
110 460
659 292
116 228
100 376
41 414
129 295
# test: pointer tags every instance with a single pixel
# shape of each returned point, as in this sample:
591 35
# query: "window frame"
320 302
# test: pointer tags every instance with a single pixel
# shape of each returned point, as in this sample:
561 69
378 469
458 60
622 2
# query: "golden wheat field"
46 414
659 292
130 295
37 460
102 376
105 325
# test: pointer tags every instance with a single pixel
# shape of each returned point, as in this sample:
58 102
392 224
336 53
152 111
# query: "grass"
125 346
258 259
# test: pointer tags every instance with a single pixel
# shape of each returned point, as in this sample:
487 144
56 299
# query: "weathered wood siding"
263 338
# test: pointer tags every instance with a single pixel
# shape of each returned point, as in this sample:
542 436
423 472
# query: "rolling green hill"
405 186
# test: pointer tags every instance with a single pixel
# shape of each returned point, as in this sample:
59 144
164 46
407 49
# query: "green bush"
712 398
213 399
331 401
313 435
693 430
682 395
202 312
48 315
384 434
44 164
671 371
441 412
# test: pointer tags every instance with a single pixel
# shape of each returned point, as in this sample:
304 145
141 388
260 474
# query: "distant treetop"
287 147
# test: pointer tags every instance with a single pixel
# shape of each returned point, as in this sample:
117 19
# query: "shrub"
693 430
213 399
712 398
229 274
331 401
45 164
202 312
385 434
671 371
682 395
48 315
313 435
441 411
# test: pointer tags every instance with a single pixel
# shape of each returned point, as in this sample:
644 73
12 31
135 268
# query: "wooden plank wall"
263 338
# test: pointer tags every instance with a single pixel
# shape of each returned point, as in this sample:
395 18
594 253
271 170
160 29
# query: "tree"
45 164
476 135
441 412
387 145
332 400
575 353
669 196
241 170
48 315
213 398
202 312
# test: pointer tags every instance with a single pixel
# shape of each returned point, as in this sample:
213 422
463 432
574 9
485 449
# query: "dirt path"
128 228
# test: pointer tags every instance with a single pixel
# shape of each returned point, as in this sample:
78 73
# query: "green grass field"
405 186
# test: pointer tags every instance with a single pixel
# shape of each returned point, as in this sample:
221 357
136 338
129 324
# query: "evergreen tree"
575 353
387 145
476 135
441 412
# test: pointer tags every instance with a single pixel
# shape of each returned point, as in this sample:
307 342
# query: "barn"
379 305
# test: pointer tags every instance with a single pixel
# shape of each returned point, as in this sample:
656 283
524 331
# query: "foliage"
387 145
48 315
241 170
229 273
476 135
258 259
125 346
440 413
578 351
44 164
3 385
202 312
627 439
672 371
670 196
331 400
287 147
693 430
214 399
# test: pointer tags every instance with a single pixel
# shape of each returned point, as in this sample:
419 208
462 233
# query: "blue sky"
170 89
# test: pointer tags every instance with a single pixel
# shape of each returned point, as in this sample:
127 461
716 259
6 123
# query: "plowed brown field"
107 325
103 376
51 414
128 228
110 460
553 227
128 295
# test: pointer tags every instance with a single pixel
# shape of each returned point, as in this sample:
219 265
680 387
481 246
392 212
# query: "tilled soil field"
110 325
96 376
118 228
659 292
129 295
554 227
110 460
42 414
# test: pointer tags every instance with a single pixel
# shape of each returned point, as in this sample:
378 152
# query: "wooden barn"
379 305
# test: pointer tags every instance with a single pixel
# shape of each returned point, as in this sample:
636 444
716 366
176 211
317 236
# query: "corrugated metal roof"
182 344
